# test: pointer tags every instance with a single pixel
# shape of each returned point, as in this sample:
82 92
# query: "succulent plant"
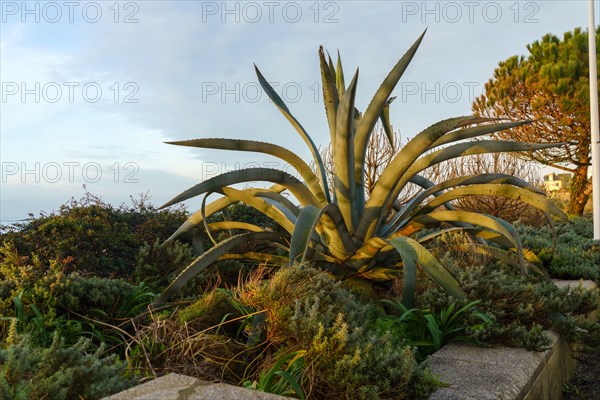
338 229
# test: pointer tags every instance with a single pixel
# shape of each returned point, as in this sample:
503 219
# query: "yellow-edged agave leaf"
459 150
228 225
490 236
279 103
363 259
373 112
487 221
381 274
413 254
331 65
339 77
385 122
281 200
289 214
217 183
331 97
209 257
398 167
516 193
256 256
339 241
309 215
437 189
266 148
378 102
216 206
477 131
447 153
198 216
261 205
363 256
467 149
345 188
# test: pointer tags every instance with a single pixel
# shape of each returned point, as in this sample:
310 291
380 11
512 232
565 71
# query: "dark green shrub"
96 237
576 255
101 297
156 264
46 300
59 372
521 307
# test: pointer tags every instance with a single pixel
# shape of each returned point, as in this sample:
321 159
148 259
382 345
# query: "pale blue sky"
188 67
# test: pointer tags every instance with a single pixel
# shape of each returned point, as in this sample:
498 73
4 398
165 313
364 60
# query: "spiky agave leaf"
262 147
279 103
343 156
209 257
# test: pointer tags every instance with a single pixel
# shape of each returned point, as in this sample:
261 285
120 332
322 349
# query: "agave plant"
354 238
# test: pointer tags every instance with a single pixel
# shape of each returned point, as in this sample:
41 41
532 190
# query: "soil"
585 383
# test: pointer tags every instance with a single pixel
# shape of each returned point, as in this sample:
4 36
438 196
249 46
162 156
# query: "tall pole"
594 121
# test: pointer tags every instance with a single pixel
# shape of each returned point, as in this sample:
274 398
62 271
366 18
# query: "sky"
91 90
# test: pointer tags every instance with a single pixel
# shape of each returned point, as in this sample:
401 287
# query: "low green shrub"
28 278
575 256
45 300
59 372
521 307
101 297
347 356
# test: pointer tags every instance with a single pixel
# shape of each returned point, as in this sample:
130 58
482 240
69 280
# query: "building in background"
556 182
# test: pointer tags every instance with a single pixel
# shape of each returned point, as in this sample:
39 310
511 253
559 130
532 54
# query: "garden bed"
467 371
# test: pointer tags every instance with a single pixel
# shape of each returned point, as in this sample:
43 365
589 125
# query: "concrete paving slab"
182 387
476 380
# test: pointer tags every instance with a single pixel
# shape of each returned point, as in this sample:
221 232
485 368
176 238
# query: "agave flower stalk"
355 239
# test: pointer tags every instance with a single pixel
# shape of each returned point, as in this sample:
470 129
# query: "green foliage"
282 381
156 264
221 310
209 310
347 353
107 297
521 307
39 325
430 330
28 279
59 372
93 237
45 300
576 255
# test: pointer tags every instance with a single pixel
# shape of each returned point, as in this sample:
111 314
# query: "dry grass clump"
167 345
